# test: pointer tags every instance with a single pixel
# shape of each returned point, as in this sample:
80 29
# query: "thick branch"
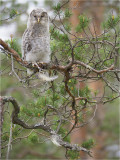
74 147
55 138
30 65
59 68
16 120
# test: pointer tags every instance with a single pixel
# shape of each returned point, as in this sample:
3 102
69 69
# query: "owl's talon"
33 65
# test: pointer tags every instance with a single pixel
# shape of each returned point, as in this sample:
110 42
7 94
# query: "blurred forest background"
104 128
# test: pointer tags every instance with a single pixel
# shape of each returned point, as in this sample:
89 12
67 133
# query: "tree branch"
59 68
26 64
16 120
92 69
55 138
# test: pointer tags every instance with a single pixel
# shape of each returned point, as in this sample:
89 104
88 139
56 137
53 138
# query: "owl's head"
39 16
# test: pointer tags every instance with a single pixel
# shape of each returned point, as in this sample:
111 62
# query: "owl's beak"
38 19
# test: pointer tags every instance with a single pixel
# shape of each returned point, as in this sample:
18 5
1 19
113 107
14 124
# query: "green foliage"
33 138
5 137
67 27
57 7
83 23
63 132
73 154
42 101
15 130
111 22
85 92
14 43
71 84
13 13
80 51
36 108
60 45
80 115
35 93
88 144
57 35
105 36
67 13
26 110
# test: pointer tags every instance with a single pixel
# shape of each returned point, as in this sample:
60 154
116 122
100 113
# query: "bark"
63 69
55 138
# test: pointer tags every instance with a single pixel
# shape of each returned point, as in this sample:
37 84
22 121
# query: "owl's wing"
26 45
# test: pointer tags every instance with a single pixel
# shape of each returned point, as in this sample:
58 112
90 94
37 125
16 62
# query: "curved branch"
16 120
55 137
92 69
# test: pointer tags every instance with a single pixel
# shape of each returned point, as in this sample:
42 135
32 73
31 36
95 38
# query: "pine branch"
55 138
59 68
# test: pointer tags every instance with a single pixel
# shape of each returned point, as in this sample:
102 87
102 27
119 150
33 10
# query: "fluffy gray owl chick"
36 40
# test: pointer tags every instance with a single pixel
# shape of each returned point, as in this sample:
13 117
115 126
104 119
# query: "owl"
36 41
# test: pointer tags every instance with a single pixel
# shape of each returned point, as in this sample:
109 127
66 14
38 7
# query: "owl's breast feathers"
36 47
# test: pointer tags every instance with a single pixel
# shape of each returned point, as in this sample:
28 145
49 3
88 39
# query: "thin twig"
10 142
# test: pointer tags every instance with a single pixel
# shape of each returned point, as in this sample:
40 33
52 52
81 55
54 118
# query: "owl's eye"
42 15
35 16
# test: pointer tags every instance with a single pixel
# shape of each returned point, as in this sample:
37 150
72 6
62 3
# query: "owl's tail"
45 77
42 76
